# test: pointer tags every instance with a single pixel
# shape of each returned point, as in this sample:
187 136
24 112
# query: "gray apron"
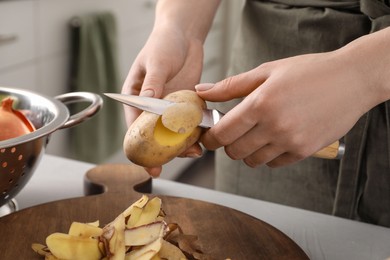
356 187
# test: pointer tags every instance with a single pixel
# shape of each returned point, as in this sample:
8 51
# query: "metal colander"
20 156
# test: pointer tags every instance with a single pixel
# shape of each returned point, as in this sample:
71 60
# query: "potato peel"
182 118
170 240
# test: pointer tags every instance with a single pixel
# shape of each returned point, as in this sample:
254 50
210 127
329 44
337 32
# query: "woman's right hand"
168 62
172 57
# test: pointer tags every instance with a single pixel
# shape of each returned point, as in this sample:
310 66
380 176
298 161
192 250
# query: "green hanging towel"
94 68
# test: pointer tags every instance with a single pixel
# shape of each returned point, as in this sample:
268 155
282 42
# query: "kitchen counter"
320 236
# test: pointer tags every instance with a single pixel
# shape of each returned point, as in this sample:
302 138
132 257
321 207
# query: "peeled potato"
153 140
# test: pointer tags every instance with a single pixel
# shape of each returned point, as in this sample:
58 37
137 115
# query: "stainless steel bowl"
20 156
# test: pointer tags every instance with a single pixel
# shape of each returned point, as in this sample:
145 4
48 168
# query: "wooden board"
223 232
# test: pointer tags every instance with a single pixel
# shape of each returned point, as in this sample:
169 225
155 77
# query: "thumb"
233 87
154 82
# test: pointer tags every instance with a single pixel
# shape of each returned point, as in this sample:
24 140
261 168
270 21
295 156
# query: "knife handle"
333 151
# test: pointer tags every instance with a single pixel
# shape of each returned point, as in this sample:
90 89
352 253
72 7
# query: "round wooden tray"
222 232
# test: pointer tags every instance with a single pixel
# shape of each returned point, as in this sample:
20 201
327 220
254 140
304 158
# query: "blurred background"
43 48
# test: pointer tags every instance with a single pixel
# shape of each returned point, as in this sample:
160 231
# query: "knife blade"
158 106
210 118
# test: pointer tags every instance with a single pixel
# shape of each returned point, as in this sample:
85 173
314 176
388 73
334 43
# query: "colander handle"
76 97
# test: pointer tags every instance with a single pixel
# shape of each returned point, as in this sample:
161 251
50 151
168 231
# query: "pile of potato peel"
140 232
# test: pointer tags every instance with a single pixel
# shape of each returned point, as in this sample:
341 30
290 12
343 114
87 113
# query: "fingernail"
193 155
204 86
147 93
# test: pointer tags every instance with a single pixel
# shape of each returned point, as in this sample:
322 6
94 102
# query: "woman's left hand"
292 108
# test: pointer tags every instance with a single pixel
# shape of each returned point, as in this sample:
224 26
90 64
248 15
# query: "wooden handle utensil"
333 151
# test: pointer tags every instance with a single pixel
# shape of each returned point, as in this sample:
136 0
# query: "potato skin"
140 145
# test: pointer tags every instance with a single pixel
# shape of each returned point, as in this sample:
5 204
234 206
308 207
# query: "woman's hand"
172 56
292 108
168 62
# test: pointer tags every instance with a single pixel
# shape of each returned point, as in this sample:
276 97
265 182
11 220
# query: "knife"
210 118
157 106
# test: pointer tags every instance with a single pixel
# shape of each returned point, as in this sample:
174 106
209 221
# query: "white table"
320 236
